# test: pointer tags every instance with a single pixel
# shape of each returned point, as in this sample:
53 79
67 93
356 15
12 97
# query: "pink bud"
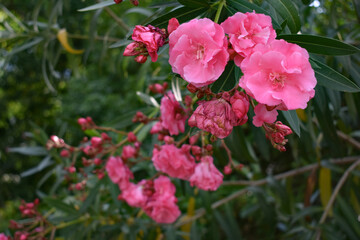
227 169
97 161
134 2
118 1
96 142
240 105
65 153
173 25
128 152
193 139
141 59
134 49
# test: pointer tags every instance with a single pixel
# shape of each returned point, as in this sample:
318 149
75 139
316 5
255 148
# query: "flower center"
200 52
277 80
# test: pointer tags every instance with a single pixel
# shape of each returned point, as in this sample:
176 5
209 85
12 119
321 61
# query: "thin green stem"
218 12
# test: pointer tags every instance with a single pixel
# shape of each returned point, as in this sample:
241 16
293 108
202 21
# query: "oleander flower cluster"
276 76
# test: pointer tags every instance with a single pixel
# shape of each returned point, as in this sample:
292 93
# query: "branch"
290 173
118 20
201 211
349 139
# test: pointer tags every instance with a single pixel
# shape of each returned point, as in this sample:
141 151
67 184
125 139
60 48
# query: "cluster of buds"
29 209
86 123
33 228
158 88
276 133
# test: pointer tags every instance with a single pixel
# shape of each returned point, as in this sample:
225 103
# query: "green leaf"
320 45
195 3
293 120
227 79
41 166
92 133
182 14
245 6
60 205
98 6
91 197
287 10
330 78
31 151
25 46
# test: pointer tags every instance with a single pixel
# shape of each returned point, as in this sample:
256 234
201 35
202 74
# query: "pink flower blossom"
118 172
215 116
3 236
173 115
162 204
176 162
133 194
152 37
246 30
262 115
206 175
240 106
148 40
198 51
279 73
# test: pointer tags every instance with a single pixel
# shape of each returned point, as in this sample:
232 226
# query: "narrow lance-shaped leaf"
182 14
293 120
98 6
330 78
287 10
227 79
320 45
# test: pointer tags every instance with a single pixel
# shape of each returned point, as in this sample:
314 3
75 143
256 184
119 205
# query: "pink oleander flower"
246 30
262 115
214 116
118 172
133 194
240 106
157 128
206 175
173 115
3 236
198 51
279 73
173 25
148 40
162 204
176 162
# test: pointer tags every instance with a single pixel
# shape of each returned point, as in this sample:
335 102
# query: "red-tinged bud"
82 121
173 25
55 142
239 166
193 139
226 96
36 201
131 137
105 137
168 140
100 175
79 186
86 162
240 106
227 169
134 2
71 169
196 150
65 153
137 145
96 142
200 95
97 161
15 225
158 88
128 152
192 88
141 59
118 1
188 100
209 147
165 85
160 137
